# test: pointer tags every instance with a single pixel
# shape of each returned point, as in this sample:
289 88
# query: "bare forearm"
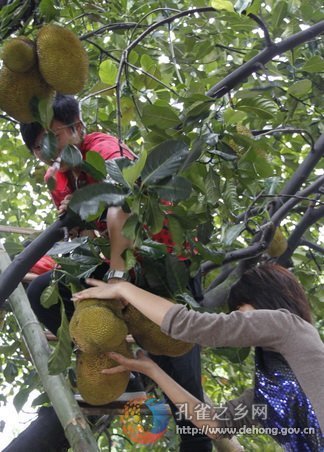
116 218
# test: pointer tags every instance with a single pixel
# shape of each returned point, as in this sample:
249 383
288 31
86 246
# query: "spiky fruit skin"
17 91
62 60
97 388
149 336
19 54
278 244
94 328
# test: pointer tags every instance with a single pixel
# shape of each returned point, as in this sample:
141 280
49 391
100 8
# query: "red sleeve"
44 264
106 145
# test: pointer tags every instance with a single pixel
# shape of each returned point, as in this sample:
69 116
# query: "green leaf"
194 154
49 147
177 274
231 232
97 164
21 398
235 355
164 161
176 232
233 116
212 187
66 247
152 68
132 172
261 107
216 256
279 13
160 117
222 4
115 170
152 250
50 296
129 259
71 156
174 189
300 88
131 226
108 72
47 10
314 64
87 201
10 372
153 215
46 112
61 356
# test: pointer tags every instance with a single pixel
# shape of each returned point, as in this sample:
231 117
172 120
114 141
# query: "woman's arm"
261 327
187 403
152 306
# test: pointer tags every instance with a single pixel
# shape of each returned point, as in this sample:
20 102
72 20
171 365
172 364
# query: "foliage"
226 160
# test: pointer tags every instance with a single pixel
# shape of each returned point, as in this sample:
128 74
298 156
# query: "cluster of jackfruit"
96 327
33 71
100 326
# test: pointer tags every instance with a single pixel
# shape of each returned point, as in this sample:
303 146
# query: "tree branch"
302 172
284 130
311 216
263 27
311 245
282 212
241 73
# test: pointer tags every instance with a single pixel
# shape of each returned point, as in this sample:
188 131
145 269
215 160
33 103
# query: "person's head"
66 125
270 286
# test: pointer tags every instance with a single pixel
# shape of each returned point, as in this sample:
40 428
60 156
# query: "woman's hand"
142 364
100 290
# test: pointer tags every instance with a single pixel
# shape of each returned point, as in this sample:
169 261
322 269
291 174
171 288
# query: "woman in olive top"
269 311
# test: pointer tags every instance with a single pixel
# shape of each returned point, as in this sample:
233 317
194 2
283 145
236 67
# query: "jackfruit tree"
222 103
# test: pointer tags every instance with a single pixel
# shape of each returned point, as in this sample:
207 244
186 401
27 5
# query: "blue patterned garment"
287 405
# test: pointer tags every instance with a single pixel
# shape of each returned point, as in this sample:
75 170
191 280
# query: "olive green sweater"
274 330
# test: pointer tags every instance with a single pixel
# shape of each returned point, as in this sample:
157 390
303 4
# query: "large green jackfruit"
97 388
95 328
19 54
149 336
62 60
19 90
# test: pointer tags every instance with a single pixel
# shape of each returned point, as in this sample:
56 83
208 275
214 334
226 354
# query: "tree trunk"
74 424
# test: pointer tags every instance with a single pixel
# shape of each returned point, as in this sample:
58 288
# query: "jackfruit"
94 328
62 60
149 336
278 244
97 388
19 90
19 54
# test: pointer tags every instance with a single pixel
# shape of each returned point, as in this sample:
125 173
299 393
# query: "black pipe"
22 263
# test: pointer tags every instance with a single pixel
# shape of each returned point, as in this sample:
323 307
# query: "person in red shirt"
69 129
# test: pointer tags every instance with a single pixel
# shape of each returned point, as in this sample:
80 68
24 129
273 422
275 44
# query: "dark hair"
270 286
65 108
